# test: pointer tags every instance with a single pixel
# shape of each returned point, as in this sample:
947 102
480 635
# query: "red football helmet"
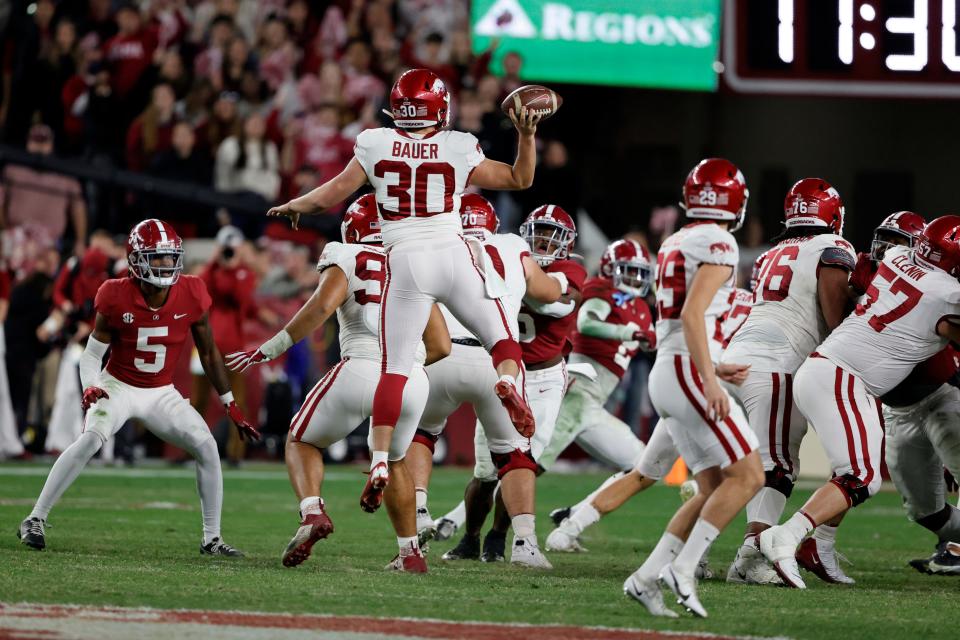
715 190
550 232
895 228
155 253
812 202
939 244
361 222
419 99
478 216
627 264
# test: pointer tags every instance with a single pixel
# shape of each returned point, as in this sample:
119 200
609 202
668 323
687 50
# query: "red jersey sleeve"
4 284
61 293
105 301
576 274
200 294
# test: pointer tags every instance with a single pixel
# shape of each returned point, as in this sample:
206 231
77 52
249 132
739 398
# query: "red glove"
240 361
647 338
862 273
91 395
247 430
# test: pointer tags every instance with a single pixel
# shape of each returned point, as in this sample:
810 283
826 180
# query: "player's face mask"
883 240
548 240
159 268
632 278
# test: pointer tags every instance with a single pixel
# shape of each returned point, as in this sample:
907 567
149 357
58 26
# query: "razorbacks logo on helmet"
812 202
939 245
627 264
361 223
419 99
900 228
477 216
155 253
550 232
716 190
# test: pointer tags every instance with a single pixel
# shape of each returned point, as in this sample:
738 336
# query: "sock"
951 530
523 525
826 534
408 546
421 498
766 507
458 515
311 505
584 517
508 378
65 470
701 537
799 524
663 554
377 457
210 487
589 499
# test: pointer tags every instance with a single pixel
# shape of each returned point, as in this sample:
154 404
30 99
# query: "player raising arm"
144 320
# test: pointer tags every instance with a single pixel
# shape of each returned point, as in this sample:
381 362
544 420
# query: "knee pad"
429 440
779 479
853 488
388 400
516 459
506 350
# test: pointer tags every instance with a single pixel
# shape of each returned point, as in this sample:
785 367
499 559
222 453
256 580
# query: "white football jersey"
677 262
418 180
786 323
895 329
740 303
359 315
506 253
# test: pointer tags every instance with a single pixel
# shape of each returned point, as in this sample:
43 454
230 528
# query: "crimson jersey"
926 377
544 337
145 343
624 309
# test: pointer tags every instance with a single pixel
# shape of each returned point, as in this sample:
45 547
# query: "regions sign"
642 43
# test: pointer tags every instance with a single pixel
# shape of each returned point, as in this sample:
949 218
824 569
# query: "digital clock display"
904 48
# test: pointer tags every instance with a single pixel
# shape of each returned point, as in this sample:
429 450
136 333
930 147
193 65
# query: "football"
534 97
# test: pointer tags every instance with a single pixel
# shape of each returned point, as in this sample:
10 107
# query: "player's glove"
91 395
862 274
242 360
646 338
247 430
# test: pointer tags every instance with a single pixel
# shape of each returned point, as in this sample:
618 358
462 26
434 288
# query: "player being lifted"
695 275
419 171
800 296
144 320
466 376
909 315
351 280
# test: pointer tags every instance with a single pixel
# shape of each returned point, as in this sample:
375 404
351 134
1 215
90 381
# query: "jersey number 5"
370 269
419 178
879 322
159 351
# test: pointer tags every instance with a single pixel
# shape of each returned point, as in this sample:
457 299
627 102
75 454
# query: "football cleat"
409 563
922 564
218 547
703 570
32 533
526 553
517 408
313 528
426 529
494 547
750 567
685 588
564 538
945 562
446 529
780 548
822 560
467 549
372 496
649 595
559 515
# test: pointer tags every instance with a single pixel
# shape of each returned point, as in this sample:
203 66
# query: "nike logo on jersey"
177 316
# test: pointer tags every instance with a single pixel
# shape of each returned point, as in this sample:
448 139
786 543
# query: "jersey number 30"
420 179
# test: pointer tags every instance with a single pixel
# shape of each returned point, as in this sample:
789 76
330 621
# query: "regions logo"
127 318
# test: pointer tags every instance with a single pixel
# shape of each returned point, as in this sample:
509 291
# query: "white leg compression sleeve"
65 470
210 487
458 515
766 506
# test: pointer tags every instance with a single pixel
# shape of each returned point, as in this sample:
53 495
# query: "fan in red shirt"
144 319
129 53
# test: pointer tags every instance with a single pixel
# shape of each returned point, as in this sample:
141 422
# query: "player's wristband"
562 279
226 398
277 345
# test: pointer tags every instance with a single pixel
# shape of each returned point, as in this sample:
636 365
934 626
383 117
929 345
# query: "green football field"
130 538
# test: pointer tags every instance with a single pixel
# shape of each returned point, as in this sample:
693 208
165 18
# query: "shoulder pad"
837 257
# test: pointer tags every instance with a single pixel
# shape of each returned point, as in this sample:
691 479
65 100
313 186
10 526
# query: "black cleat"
494 547
945 562
31 533
467 549
218 547
559 515
923 564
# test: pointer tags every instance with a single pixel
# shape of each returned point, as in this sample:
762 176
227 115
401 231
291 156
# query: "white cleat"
649 595
446 529
750 567
564 538
779 547
426 529
822 559
685 588
526 553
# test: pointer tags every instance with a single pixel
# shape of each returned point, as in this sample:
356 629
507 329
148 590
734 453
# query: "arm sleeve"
590 322
553 309
837 257
91 362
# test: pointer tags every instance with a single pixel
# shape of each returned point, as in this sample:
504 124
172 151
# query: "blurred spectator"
468 66
129 53
185 163
152 132
27 35
10 444
753 244
317 141
104 137
249 163
512 68
237 61
55 66
360 85
557 182
209 63
42 200
223 122
295 278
